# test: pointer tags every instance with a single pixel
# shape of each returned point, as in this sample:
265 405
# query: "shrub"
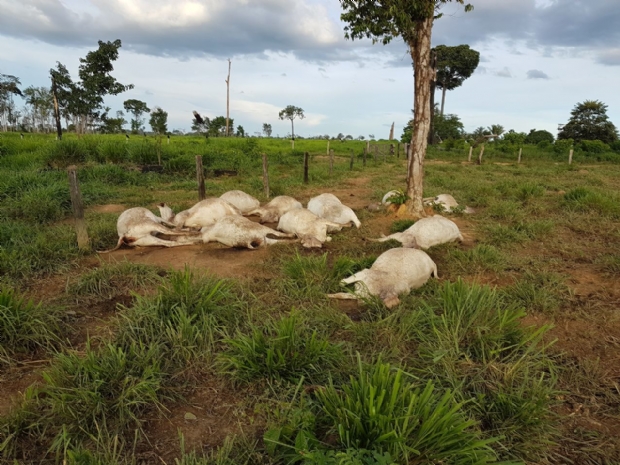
562 146
594 146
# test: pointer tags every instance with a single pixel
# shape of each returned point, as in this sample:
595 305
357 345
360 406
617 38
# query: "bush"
594 146
543 144
562 146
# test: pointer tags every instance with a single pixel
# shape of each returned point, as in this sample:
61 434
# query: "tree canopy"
454 65
84 99
589 121
539 135
413 21
136 108
159 120
267 129
291 112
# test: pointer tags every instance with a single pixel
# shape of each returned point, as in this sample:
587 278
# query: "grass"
26 327
383 414
111 280
281 350
465 343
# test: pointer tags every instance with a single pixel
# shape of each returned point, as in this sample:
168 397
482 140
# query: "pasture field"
208 355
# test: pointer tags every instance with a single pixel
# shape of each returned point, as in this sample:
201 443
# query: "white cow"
278 206
204 213
330 207
386 197
140 227
308 227
427 232
395 272
244 202
448 202
238 231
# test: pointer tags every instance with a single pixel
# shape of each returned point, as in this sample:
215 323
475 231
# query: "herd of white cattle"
223 219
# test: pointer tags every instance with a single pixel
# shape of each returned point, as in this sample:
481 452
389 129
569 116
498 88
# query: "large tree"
291 112
589 121
84 99
9 86
413 21
217 127
159 121
267 129
454 65
136 108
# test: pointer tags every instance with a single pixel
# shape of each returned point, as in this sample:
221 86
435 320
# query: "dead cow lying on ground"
330 207
396 271
427 232
204 213
140 227
278 206
308 227
237 231
244 202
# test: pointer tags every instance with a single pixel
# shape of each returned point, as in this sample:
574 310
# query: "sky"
538 59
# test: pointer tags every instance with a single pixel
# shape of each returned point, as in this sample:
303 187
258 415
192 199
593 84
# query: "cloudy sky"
538 59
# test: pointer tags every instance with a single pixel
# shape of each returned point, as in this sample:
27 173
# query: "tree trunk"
420 49
292 130
56 111
431 132
443 99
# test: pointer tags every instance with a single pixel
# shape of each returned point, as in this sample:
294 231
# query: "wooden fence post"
570 156
78 209
200 178
327 147
471 149
306 156
352 159
331 161
520 152
398 150
265 175
364 159
480 156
